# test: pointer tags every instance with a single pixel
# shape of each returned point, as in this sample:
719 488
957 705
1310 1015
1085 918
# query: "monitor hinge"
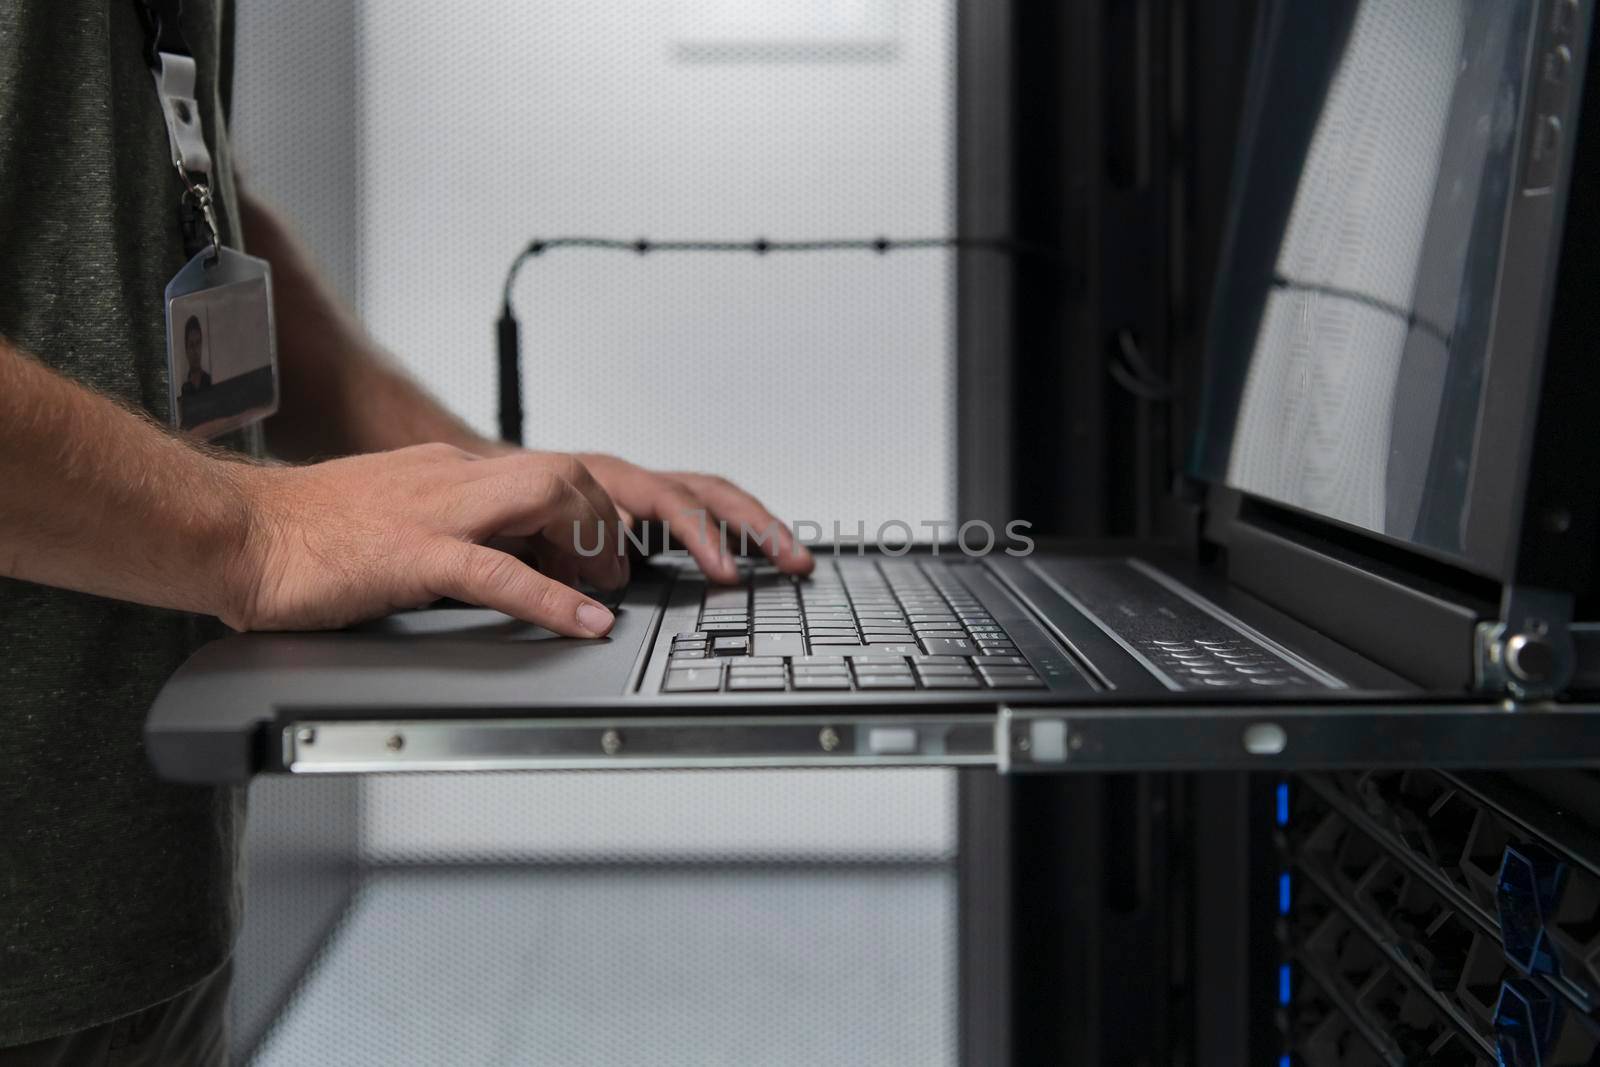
1528 653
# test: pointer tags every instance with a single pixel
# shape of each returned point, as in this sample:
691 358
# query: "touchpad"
477 623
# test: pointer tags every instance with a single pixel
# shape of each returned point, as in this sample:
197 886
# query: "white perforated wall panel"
822 382
662 817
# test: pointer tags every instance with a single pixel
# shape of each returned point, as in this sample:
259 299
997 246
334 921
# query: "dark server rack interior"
1436 918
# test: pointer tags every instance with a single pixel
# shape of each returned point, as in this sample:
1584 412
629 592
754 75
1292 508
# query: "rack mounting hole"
1265 739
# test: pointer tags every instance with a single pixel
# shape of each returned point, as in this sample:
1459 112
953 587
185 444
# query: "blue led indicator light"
1283 893
1283 1061
1283 803
1283 984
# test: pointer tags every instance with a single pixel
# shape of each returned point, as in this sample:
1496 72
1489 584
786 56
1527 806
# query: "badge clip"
175 86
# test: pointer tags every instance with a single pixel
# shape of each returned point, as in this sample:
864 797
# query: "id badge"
222 354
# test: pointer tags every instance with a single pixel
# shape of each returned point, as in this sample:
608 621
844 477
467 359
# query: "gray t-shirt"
116 890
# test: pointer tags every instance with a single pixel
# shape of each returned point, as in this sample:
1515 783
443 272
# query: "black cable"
1133 372
762 246
508 332
1412 319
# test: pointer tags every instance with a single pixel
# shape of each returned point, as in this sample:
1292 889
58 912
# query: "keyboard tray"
475 691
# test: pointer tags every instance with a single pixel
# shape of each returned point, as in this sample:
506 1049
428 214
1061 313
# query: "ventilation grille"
1428 918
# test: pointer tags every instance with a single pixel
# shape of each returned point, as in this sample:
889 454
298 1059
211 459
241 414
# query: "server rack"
1436 917
1105 130
1421 916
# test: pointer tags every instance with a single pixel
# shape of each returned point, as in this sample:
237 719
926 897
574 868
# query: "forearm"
97 499
340 393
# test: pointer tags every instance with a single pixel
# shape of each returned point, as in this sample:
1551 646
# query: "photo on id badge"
220 357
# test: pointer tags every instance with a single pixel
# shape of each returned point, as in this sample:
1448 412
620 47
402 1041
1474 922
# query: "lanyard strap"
173 67
163 29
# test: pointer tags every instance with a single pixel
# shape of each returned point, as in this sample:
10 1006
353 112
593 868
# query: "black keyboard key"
688 653
863 667
954 667
999 661
940 646
747 683
1022 681
698 637
1011 678
822 681
723 627
885 681
950 681
777 644
818 661
693 680
730 646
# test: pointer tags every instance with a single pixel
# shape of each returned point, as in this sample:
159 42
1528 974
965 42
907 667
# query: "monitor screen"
1347 374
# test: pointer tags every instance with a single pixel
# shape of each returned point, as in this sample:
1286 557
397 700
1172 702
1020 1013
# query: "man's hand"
95 498
351 539
695 506
342 394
